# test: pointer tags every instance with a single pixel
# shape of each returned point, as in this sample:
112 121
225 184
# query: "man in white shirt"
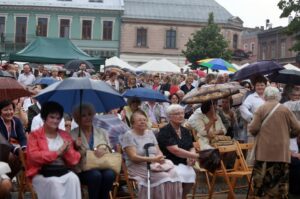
26 78
82 71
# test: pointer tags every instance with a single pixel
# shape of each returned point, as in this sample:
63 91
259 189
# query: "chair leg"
207 180
195 184
212 186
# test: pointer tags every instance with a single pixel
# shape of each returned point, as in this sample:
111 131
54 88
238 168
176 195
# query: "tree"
207 43
291 8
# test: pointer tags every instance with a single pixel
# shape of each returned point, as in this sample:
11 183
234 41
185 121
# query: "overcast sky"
255 12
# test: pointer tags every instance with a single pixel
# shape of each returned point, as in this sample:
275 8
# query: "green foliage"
207 43
292 8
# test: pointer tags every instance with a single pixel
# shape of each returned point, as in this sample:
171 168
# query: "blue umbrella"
260 67
145 94
74 91
45 80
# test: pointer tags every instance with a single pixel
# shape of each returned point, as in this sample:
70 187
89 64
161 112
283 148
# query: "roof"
176 10
52 51
105 4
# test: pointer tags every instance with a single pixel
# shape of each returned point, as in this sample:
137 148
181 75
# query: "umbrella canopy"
211 92
217 64
286 76
11 89
261 67
45 80
74 64
115 61
74 91
5 74
145 94
291 67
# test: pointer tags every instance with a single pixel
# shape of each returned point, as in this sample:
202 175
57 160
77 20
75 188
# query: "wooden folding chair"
199 171
23 182
230 175
131 183
244 148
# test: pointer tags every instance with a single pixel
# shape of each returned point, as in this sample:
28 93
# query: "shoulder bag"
110 160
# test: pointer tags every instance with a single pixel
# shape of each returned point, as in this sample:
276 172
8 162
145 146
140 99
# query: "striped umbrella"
217 64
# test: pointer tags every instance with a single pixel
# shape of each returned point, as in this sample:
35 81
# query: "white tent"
291 67
160 66
115 61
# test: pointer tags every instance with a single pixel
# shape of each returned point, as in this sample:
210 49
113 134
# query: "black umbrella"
5 74
260 67
73 65
286 76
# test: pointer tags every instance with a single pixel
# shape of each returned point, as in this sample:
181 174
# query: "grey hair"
76 111
172 108
272 93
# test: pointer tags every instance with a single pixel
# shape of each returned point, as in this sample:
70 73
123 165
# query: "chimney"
262 28
267 23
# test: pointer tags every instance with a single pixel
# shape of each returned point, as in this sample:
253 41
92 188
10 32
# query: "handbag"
53 170
110 160
251 156
210 159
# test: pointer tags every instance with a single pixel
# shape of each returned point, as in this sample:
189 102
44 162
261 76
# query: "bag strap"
106 145
270 114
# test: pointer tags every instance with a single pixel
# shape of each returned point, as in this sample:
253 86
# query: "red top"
38 153
174 89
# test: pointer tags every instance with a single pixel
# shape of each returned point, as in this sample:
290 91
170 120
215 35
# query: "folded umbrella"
74 91
257 68
286 76
145 94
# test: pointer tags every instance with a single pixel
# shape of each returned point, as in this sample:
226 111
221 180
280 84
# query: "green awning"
52 51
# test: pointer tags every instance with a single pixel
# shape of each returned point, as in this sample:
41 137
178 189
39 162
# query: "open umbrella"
5 74
286 76
73 65
261 67
45 80
74 91
145 94
217 64
211 92
11 89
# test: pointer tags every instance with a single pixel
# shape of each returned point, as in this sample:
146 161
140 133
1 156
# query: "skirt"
271 179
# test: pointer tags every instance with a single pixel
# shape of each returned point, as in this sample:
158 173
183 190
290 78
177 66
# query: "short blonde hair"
76 111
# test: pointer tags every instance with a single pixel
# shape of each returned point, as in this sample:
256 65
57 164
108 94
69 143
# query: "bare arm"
174 149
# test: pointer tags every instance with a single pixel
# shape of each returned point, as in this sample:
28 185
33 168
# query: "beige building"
155 29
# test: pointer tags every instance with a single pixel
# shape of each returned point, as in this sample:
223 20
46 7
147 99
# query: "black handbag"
54 170
210 159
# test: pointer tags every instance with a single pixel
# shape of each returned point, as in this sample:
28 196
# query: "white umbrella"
291 67
115 61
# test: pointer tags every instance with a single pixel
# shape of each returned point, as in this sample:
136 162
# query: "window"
86 29
141 38
282 49
246 47
64 0
96 1
107 30
64 29
273 51
252 47
235 41
171 39
41 29
264 51
21 28
2 29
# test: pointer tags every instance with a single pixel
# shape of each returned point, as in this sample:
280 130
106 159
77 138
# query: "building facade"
249 43
155 29
92 25
273 44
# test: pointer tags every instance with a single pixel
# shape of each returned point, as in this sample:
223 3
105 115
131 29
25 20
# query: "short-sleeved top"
168 137
139 141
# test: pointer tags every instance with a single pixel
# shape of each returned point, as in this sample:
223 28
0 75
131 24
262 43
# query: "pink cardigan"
38 153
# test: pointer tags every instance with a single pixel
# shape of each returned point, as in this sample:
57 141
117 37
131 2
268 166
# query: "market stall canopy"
161 66
52 51
115 61
291 67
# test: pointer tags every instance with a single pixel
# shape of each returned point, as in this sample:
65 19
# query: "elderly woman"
271 169
88 137
12 130
176 143
207 123
50 154
165 182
